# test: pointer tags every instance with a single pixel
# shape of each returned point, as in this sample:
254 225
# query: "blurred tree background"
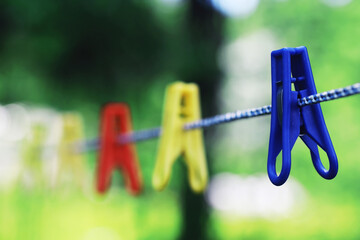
78 55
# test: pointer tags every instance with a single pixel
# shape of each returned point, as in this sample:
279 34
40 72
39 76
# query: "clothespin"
116 121
32 155
182 105
71 162
291 66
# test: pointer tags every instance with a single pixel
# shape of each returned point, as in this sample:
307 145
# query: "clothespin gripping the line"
115 122
289 120
32 154
181 105
71 163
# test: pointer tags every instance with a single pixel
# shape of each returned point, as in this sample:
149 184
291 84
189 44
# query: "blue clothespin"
288 120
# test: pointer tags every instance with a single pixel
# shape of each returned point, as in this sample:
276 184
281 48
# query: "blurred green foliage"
77 55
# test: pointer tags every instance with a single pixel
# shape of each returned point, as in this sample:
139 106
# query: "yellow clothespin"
71 166
182 105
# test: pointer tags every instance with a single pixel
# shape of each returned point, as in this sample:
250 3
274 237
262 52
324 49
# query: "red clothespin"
116 120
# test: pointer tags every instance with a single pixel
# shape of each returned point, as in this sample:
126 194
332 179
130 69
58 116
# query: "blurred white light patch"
4 120
103 233
19 122
9 165
236 8
247 84
16 121
336 3
11 131
254 196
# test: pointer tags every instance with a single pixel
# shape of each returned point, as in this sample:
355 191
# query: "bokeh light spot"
336 3
236 8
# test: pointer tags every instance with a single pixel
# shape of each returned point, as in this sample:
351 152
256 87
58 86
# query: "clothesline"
142 135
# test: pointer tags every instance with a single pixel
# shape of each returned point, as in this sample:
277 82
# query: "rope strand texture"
330 95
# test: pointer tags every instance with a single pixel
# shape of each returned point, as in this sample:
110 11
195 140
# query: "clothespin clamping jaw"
115 124
288 120
182 105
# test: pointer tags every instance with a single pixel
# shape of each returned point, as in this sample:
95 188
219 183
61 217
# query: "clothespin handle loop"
280 179
283 117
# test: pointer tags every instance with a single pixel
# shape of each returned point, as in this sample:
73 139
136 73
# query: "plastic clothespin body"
71 161
289 121
116 120
182 105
